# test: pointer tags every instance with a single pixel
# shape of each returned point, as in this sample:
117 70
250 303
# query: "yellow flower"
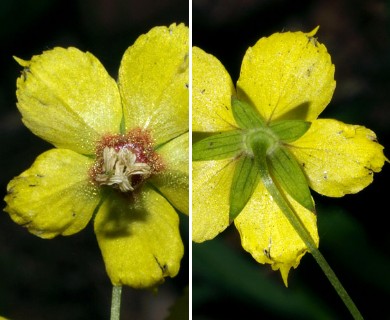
286 81
121 153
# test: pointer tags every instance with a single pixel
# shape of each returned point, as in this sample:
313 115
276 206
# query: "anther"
120 167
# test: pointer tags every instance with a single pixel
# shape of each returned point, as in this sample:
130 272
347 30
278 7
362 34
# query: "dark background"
64 278
354 233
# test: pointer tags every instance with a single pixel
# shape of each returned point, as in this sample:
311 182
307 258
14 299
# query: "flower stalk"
116 302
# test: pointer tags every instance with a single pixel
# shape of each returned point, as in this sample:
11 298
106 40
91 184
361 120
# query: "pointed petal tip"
21 62
284 270
313 32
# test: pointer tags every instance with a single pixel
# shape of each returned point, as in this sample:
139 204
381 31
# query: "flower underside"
242 145
259 147
125 161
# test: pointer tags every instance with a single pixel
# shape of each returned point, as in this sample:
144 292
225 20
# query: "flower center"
120 167
125 161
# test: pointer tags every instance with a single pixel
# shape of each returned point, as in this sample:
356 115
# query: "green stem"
300 228
116 302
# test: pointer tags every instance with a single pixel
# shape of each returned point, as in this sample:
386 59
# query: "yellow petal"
53 197
173 181
67 98
212 90
269 237
211 182
139 239
338 158
153 80
287 76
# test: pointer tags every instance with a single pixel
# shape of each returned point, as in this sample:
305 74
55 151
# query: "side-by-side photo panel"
290 127
95 151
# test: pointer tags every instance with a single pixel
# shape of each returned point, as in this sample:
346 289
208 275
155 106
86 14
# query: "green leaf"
245 180
290 130
286 171
219 146
246 115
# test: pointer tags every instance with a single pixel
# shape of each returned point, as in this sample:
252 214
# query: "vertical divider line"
190 158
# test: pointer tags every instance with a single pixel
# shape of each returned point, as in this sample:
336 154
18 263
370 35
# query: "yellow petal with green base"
153 80
139 240
287 76
267 234
66 97
174 179
338 158
211 183
53 197
212 90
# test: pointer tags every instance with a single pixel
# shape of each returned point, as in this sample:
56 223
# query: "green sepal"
246 116
290 130
245 180
286 172
218 146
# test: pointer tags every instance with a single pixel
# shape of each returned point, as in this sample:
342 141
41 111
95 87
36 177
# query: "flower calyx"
253 141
